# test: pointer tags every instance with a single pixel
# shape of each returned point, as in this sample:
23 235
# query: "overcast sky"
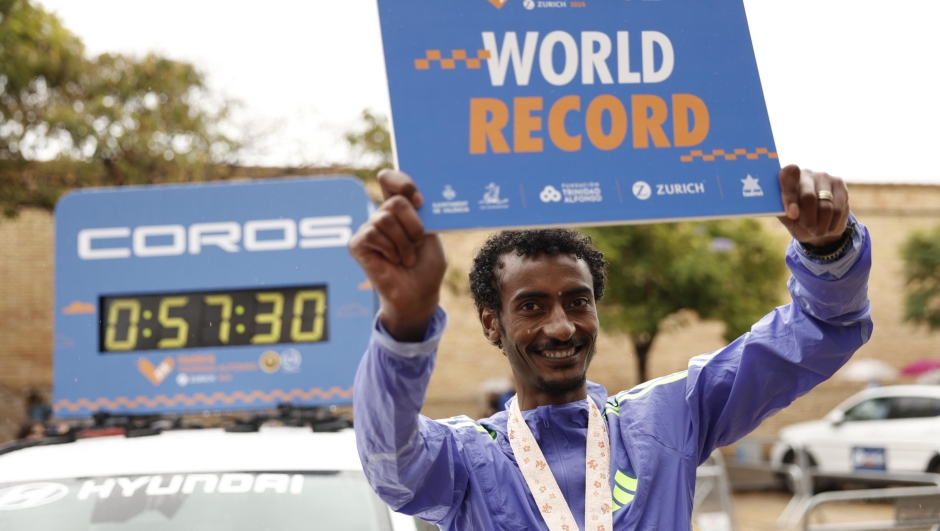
851 85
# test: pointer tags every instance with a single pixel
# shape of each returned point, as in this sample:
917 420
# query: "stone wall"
26 246
468 364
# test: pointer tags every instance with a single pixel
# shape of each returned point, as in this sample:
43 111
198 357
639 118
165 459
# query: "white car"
893 428
276 478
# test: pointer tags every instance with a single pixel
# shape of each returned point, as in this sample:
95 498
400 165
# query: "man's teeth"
558 353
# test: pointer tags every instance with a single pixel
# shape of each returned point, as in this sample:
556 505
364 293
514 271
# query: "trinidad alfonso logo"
550 194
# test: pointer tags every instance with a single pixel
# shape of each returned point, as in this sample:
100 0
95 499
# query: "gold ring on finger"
824 195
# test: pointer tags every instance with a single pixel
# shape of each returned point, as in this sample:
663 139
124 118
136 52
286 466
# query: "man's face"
548 325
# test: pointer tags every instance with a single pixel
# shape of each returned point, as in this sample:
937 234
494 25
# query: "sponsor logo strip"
214 398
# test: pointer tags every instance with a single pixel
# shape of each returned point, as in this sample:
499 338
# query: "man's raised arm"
799 345
411 462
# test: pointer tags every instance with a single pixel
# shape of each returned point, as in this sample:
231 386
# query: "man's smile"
558 354
559 350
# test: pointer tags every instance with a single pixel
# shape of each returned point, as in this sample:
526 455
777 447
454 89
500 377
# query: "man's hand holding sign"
405 264
556 148
816 206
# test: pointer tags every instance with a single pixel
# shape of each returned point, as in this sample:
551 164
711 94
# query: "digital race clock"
209 297
213 319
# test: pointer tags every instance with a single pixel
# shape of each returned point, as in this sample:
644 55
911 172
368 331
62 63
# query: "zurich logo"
550 195
529 4
642 190
31 495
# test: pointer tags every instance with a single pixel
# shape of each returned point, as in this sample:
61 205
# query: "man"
567 456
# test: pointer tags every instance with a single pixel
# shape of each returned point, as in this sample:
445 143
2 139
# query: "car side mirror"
837 418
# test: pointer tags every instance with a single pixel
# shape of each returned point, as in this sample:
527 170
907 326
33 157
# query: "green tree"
147 121
921 254
724 270
372 142
40 63
106 121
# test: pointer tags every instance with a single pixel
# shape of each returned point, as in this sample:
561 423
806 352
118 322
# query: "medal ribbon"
538 476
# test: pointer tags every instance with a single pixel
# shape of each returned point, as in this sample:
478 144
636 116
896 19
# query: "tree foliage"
921 254
372 142
40 65
723 270
110 120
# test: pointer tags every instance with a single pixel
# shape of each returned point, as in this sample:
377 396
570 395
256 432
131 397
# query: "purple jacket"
461 474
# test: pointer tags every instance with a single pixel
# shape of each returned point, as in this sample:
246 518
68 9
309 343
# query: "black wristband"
832 251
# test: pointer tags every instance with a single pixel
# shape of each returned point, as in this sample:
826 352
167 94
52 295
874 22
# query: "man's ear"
490 325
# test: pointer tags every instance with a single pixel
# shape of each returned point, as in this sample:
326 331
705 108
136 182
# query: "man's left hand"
816 205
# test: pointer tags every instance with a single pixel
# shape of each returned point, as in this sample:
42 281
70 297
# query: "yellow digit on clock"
316 333
225 327
272 318
114 313
182 327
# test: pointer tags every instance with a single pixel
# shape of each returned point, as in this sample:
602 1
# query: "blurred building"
467 360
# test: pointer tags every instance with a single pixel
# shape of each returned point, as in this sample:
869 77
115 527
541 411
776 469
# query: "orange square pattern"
450 63
716 153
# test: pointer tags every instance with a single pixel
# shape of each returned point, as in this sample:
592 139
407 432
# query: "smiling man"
566 455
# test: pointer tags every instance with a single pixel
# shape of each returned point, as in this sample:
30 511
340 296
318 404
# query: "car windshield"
238 501
874 409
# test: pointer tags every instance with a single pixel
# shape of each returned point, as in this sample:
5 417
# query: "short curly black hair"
484 278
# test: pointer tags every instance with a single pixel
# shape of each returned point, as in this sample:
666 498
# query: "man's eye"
579 302
529 306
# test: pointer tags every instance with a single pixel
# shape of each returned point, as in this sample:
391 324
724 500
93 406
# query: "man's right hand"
405 265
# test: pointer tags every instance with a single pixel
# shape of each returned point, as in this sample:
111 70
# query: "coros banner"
209 297
548 112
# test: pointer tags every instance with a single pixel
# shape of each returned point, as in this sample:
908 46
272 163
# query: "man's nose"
558 325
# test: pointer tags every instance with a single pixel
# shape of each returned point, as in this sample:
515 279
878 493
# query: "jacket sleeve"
787 353
413 463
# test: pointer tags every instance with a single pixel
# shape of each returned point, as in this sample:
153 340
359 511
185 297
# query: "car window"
914 407
873 409
236 501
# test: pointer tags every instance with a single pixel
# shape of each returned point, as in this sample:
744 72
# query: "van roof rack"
103 424
320 419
